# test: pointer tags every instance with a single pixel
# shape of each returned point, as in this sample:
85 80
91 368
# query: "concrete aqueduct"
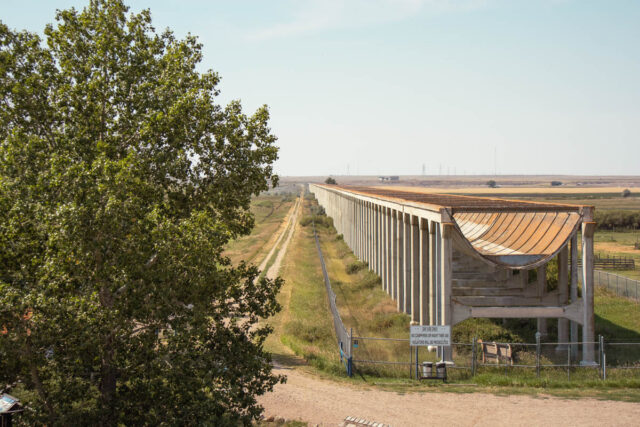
445 258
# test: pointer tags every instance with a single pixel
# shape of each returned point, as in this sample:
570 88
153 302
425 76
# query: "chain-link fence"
394 357
622 286
343 336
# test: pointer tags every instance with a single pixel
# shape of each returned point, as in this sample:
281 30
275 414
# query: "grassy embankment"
305 326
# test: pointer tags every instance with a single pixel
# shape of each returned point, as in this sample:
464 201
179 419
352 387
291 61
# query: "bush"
320 220
491 183
356 266
626 192
330 181
609 220
556 183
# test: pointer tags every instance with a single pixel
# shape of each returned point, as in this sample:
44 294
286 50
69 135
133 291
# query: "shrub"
330 181
556 183
356 266
626 192
611 219
491 183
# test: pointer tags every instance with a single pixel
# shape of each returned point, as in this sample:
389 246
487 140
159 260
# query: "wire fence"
343 336
622 286
393 357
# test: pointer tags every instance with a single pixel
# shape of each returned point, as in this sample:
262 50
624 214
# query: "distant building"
389 178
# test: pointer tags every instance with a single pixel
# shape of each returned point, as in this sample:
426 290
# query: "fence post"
603 358
538 354
473 357
350 359
569 362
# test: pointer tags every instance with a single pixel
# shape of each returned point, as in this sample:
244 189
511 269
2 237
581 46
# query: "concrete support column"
542 289
588 327
380 239
400 259
423 261
433 273
389 243
367 231
382 242
372 230
394 254
407 264
563 290
357 229
446 283
377 241
376 238
415 269
573 290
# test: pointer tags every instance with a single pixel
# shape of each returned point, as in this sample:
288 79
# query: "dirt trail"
323 402
282 231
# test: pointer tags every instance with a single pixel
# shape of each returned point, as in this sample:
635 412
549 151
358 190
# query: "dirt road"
317 401
290 228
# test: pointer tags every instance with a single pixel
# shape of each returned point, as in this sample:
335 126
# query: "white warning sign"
430 335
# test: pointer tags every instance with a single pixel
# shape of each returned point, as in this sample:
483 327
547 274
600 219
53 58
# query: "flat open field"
546 190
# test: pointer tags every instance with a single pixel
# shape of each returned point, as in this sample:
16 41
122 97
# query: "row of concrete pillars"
413 257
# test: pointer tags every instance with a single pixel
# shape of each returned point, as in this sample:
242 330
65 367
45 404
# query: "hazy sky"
387 86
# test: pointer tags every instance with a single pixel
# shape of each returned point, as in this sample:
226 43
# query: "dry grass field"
533 191
269 212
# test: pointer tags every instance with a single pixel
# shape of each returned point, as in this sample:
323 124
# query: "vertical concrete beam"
563 290
376 238
367 241
424 269
382 241
588 327
542 289
356 228
433 273
407 264
377 232
394 254
574 290
400 259
372 229
379 247
389 243
446 283
415 269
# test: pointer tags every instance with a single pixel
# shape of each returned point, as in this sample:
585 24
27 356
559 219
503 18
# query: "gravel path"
291 226
318 401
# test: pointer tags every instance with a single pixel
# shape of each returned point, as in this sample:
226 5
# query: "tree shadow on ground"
287 361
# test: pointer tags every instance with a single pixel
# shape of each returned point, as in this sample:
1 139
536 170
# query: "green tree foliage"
121 180
330 181
617 219
491 183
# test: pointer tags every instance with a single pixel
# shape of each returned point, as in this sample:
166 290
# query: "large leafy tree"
121 180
